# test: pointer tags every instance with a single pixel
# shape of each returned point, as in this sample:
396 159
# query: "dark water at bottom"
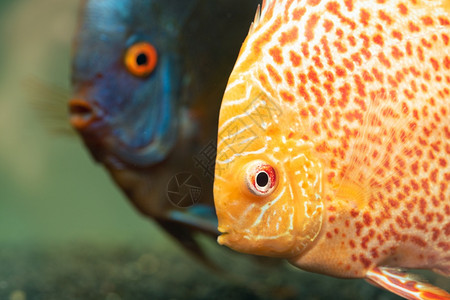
145 271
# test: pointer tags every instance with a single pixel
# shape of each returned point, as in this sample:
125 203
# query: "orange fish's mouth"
223 236
222 239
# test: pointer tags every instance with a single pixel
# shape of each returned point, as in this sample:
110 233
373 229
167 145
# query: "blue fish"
147 81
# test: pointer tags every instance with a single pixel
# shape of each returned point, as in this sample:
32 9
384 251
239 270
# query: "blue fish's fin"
201 218
185 236
50 103
405 285
183 225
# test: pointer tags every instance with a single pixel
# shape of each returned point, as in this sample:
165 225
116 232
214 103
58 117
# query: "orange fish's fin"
404 284
256 20
373 159
263 11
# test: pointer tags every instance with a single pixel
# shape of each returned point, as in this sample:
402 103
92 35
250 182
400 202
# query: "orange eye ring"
140 59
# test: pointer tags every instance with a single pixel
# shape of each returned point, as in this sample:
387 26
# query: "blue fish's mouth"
82 114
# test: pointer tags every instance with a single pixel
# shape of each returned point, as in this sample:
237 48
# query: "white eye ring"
261 178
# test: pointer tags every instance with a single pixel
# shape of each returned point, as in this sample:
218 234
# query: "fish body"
147 80
334 139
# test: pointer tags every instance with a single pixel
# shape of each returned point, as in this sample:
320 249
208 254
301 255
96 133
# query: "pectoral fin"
404 285
200 218
184 225
184 235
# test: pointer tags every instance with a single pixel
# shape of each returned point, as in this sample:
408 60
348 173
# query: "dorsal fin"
256 20
261 12
267 5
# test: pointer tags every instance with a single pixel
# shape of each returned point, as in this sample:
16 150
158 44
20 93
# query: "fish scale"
361 90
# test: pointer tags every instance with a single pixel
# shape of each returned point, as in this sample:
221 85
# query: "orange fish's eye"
261 179
140 59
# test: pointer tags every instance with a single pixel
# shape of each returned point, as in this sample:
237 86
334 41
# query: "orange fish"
334 140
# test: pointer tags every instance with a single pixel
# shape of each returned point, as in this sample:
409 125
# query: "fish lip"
223 232
221 239
82 114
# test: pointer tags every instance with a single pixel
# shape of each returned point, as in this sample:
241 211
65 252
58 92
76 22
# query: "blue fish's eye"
141 59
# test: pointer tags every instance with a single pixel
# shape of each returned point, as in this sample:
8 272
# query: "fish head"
127 77
268 182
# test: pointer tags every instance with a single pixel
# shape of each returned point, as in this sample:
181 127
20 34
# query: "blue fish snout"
82 114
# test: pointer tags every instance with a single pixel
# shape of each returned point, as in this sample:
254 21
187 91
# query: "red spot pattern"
418 241
334 8
435 64
444 21
365 261
340 72
313 2
298 13
290 78
364 17
275 52
378 39
287 96
403 9
349 4
367 219
312 75
384 60
264 38
385 17
273 73
327 25
286 15
295 59
289 37
445 38
396 34
412 27
305 49
310 26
